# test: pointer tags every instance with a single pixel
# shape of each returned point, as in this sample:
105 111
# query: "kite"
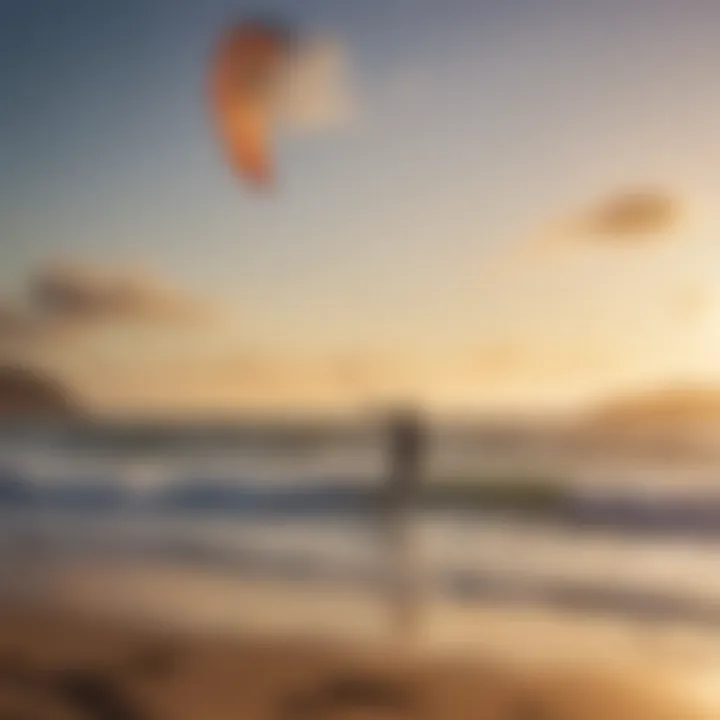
247 71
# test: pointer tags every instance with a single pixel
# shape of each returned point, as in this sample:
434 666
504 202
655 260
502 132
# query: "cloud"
631 215
84 294
624 219
317 93
62 301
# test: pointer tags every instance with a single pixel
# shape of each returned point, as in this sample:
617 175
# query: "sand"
63 666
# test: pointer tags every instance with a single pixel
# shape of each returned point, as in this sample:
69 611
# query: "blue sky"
478 123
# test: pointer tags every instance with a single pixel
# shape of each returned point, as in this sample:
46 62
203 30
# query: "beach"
60 664
147 626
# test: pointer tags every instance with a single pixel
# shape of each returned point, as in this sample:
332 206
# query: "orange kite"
246 70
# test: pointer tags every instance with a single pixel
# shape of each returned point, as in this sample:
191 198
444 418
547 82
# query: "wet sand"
58 666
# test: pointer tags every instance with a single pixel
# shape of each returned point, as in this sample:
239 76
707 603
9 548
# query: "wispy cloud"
62 300
88 294
623 219
630 216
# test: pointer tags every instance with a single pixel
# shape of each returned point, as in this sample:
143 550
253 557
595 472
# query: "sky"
392 257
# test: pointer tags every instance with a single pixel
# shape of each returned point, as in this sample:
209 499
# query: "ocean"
230 539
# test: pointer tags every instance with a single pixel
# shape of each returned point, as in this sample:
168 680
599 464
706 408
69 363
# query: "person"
407 448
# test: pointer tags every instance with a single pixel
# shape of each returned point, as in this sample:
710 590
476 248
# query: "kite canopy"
246 72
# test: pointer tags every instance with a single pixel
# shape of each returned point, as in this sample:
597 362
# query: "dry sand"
60 666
